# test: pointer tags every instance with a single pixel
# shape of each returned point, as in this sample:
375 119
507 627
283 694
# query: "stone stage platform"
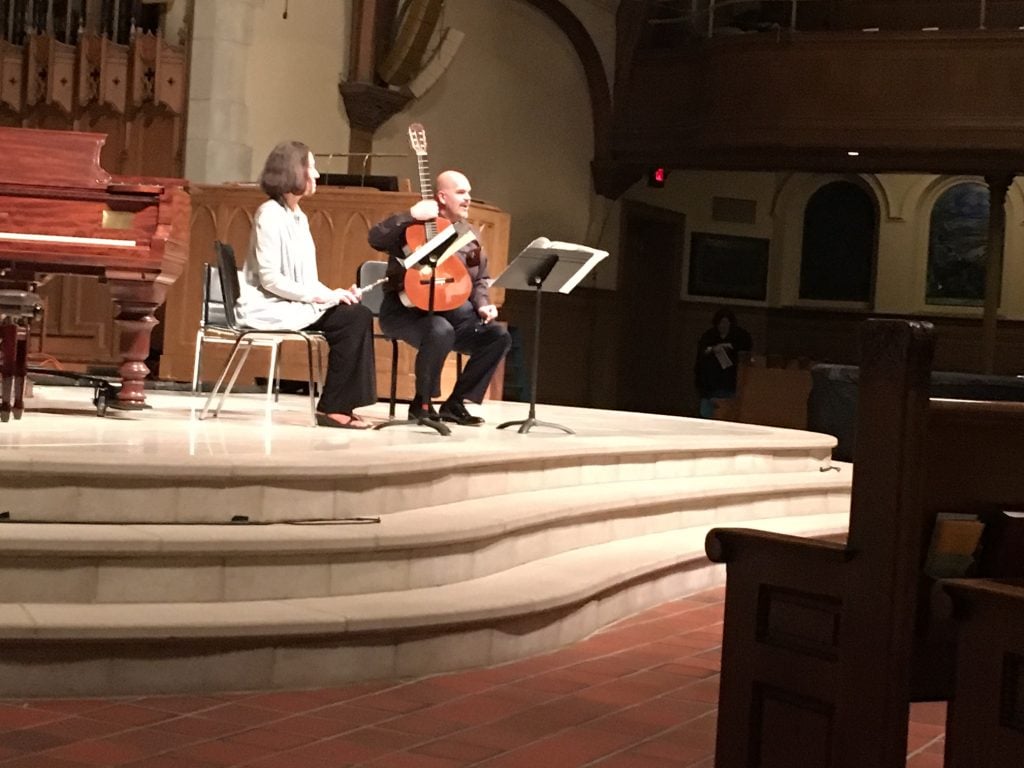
151 552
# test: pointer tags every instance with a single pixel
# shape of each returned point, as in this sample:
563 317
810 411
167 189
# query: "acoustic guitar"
452 283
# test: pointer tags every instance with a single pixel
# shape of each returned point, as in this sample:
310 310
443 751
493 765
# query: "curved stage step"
489 547
166 467
56 649
102 563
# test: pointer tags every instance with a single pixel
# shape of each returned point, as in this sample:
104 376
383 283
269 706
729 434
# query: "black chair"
246 338
369 273
214 328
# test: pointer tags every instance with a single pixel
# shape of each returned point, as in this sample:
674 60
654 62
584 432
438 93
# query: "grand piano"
61 213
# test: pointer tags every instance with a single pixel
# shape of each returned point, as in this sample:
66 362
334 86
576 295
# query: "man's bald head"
453 194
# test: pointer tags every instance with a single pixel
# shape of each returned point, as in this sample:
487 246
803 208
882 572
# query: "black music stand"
546 267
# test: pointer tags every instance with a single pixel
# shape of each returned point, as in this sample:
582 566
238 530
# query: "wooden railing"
942 102
710 17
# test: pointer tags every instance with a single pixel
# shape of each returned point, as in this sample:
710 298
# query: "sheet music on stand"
574 263
546 266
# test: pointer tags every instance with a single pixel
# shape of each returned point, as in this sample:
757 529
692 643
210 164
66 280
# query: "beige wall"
292 76
174 20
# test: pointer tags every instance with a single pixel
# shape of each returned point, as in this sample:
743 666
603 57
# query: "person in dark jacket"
718 354
468 328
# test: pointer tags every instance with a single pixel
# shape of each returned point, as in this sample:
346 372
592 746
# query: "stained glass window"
958 246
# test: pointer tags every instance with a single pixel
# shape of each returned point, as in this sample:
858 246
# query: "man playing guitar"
467 328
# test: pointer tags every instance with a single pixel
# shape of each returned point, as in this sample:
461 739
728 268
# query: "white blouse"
280 279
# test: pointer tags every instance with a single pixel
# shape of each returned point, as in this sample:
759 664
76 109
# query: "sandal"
352 421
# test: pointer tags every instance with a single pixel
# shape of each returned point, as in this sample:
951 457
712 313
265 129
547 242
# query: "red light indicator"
657 177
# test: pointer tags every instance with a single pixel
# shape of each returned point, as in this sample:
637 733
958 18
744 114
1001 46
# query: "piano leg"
8 342
136 303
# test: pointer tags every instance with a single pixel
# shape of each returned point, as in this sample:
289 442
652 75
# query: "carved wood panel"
11 64
102 74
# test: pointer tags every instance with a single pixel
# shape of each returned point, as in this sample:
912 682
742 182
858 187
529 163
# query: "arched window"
837 263
958 246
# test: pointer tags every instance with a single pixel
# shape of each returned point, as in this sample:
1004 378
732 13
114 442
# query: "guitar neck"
426 190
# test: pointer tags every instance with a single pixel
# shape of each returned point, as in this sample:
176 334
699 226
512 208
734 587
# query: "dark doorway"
840 236
651 354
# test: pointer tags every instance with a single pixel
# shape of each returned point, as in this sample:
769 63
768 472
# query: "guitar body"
452 286
452 283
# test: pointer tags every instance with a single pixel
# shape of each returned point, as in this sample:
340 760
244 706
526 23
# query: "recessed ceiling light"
853 153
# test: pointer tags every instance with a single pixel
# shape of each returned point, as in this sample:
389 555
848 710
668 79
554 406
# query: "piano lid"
52 158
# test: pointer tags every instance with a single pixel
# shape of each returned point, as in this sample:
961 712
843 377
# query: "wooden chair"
825 645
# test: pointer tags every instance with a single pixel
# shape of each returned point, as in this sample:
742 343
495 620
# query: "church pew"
985 722
826 644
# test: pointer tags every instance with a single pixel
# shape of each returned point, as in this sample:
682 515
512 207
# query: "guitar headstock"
418 139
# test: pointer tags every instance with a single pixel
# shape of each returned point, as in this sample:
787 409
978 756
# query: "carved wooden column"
367 103
998 184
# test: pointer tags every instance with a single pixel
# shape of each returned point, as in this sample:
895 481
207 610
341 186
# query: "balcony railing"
675 20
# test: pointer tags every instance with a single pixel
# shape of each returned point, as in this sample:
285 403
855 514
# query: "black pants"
459 329
351 377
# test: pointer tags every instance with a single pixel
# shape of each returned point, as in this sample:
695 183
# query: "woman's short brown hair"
285 170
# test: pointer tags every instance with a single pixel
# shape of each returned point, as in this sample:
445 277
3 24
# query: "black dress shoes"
418 411
455 412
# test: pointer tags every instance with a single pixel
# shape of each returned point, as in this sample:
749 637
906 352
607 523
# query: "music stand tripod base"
525 425
437 426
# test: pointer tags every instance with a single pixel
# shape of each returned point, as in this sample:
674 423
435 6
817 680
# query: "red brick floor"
640 694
